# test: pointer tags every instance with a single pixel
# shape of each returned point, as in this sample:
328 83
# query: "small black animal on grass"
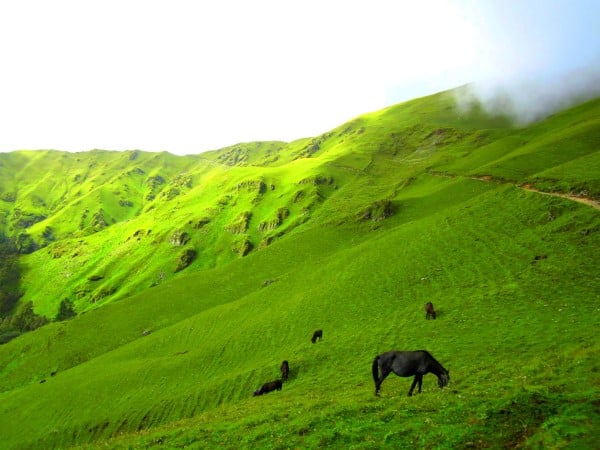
317 335
285 370
407 364
429 311
269 387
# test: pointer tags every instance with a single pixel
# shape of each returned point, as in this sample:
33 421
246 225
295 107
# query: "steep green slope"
505 284
86 211
383 215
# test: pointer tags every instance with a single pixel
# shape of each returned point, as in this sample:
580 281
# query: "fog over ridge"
528 99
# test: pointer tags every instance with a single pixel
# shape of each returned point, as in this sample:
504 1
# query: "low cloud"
530 99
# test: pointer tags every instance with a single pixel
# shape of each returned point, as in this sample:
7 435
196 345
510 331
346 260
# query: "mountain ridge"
105 188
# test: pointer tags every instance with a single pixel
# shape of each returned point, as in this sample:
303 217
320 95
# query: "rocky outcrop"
240 225
155 184
179 238
313 146
317 180
280 216
9 197
242 247
257 186
200 223
98 221
25 219
379 210
185 259
101 293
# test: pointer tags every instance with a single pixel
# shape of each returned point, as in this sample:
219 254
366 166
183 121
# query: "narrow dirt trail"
585 200
527 187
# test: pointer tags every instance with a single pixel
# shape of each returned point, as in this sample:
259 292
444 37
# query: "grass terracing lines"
196 277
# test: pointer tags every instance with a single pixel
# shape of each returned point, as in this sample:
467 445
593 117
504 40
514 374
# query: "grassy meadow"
352 232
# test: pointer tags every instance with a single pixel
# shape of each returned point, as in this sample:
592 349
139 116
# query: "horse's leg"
418 379
384 373
412 386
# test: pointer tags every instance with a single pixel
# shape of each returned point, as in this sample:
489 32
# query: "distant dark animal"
317 335
285 370
407 364
429 311
268 387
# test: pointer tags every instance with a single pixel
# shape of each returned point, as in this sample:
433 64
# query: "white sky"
187 76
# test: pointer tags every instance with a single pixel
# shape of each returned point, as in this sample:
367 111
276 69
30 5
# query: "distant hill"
193 277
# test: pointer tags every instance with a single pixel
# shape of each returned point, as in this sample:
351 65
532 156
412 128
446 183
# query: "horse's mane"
434 360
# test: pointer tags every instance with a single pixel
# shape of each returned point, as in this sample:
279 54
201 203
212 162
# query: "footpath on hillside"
528 187
576 198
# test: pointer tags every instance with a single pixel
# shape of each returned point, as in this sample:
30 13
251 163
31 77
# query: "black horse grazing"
429 311
285 370
268 387
317 335
407 364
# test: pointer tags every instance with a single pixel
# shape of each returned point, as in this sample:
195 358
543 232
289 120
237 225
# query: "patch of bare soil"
576 198
528 187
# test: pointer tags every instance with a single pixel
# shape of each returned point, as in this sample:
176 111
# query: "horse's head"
444 378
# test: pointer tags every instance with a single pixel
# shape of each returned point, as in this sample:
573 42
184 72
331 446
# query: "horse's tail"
375 369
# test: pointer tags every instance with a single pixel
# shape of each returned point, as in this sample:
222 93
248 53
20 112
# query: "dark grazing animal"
285 370
269 387
429 311
407 364
317 335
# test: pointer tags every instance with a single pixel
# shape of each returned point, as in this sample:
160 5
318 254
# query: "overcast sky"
188 76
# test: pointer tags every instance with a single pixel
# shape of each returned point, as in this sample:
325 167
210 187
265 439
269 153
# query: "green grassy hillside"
212 269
